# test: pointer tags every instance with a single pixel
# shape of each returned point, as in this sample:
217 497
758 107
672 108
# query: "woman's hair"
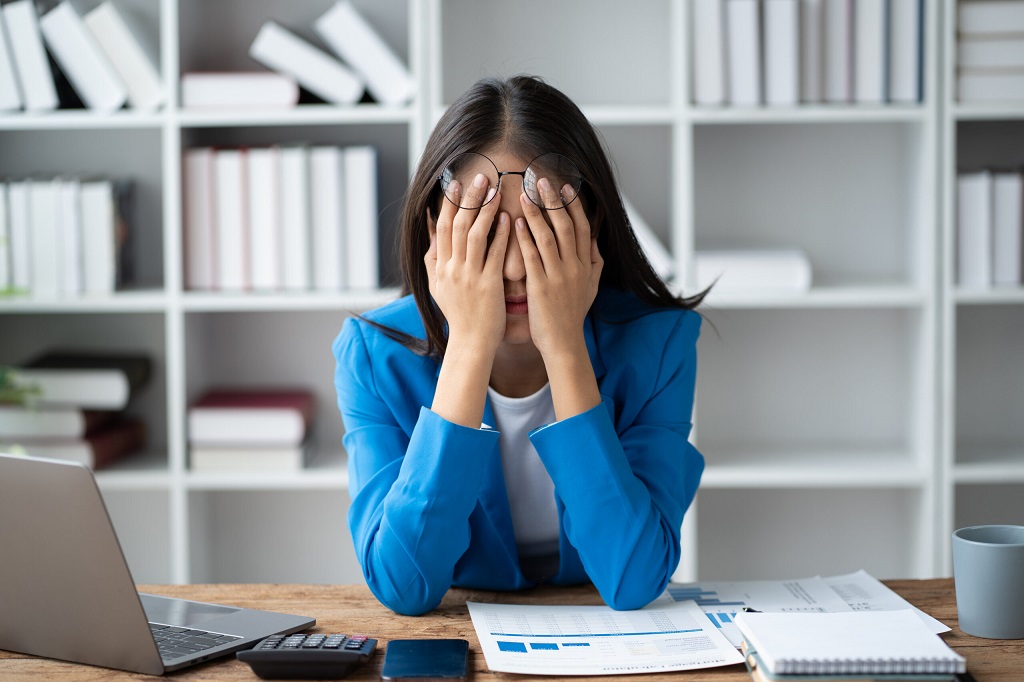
526 117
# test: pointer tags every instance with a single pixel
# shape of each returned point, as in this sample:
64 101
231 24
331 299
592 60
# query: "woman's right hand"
464 268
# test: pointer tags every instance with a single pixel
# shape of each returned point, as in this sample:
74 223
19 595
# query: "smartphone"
424 660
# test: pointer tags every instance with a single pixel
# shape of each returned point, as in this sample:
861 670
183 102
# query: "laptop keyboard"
175 642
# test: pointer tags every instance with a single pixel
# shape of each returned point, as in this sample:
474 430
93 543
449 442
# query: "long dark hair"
527 117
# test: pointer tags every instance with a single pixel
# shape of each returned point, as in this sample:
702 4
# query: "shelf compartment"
142 520
991 143
271 537
778 534
994 503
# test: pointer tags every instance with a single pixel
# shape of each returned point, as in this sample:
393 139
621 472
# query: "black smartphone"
424 660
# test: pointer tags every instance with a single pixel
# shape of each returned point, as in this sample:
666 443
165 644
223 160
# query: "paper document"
863 592
597 640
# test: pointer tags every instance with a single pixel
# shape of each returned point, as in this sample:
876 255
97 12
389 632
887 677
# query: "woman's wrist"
574 387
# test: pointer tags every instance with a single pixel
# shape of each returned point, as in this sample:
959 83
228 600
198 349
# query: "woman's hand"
563 268
464 269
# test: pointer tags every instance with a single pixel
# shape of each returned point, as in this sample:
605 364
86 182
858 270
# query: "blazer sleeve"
408 517
626 487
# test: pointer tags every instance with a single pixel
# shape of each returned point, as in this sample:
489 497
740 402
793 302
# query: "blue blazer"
429 507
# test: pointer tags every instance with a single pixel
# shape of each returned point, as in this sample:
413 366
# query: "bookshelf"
821 416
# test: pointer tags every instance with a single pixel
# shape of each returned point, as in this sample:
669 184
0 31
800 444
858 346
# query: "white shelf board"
141 301
287 301
823 297
988 112
996 295
811 469
607 115
300 115
808 114
989 463
82 119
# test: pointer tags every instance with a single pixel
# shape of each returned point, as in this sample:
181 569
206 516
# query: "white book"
353 39
1007 225
46 252
96 389
264 218
975 85
99 237
243 90
11 98
657 255
230 459
974 230
812 50
31 64
746 272
708 32
990 53
870 46
81 59
281 50
295 215
990 16
905 55
200 220
232 225
5 240
69 230
20 234
743 27
327 214
781 52
133 52
838 56
361 225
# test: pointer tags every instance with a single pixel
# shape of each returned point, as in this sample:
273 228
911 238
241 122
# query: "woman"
522 414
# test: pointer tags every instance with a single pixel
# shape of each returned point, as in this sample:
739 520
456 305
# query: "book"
838 54
20 234
247 458
1007 225
871 44
743 28
327 217
102 239
990 53
708 34
97 450
979 85
30 60
265 235
242 90
295 212
18 422
781 52
281 50
812 50
251 416
45 239
87 379
657 255
990 17
974 230
847 643
5 242
753 271
200 220
231 224
133 52
361 226
352 38
906 29
81 59
11 98
69 235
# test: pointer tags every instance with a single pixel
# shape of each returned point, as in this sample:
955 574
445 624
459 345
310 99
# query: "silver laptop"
66 591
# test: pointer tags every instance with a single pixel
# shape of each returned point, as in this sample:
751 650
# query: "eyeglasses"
558 170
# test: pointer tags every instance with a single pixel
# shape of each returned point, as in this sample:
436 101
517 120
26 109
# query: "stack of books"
77 408
248 429
990 228
359 61
107 60
990 51
65 237
281 218
790 52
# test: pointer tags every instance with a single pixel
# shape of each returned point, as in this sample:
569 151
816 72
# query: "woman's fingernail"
544 185
455 187
568 192
480 180
520 224
490 194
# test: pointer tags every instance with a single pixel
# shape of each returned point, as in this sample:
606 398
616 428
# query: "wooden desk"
352 609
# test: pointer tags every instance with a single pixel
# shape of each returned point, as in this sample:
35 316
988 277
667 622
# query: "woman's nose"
514 268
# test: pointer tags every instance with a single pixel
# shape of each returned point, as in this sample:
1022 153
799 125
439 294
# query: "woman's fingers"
543 236
581 225
472 198
560 220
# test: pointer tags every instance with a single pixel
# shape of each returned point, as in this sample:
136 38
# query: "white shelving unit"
983 360
819 415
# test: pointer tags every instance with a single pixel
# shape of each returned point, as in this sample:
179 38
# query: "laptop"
66 591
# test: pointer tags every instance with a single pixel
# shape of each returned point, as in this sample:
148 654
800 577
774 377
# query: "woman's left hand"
563 268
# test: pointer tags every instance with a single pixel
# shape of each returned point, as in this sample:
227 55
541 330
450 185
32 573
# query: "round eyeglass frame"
445 178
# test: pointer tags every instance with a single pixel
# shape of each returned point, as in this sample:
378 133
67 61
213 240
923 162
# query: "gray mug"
988 571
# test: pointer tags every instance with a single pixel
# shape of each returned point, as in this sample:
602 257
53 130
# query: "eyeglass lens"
558 170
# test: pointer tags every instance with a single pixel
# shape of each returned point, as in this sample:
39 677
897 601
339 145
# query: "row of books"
281 218
250 429
358 61
102 60
790 52
77 407
990 228
64 237
990 51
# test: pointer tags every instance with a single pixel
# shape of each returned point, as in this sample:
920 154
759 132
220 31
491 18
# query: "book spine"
744 39
200 220
132 53
30 60
232 225
11 98
781 52
361 227
708 36
327 215
295 210
98 237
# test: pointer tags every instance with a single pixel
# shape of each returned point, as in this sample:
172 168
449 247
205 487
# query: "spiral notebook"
846 643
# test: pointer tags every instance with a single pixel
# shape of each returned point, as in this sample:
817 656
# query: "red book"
251 416
97 450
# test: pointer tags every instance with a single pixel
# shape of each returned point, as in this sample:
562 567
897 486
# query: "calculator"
308 656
